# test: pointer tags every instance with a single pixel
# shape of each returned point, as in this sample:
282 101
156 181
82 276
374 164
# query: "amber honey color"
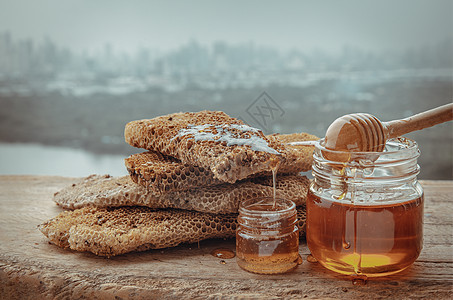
267 239
270 255
371 240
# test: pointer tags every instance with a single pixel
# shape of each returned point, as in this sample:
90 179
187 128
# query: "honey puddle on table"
224 253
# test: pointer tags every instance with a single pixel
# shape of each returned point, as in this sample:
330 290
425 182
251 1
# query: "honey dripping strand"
275 163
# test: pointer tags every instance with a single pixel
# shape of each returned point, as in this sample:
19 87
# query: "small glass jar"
267 239
365 215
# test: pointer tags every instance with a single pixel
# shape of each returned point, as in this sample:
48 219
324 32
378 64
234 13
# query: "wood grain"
31 268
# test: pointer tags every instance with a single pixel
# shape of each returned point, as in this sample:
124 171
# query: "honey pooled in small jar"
267 239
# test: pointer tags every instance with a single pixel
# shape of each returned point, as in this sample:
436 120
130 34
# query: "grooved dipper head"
356 132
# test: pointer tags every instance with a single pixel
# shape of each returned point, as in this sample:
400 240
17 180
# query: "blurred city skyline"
329 26
46 66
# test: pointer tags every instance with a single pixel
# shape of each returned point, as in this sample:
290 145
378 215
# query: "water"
35 159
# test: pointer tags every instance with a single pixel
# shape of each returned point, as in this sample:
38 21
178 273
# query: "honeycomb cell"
100 191
229 162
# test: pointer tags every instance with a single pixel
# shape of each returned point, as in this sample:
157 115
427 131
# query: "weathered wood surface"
31 268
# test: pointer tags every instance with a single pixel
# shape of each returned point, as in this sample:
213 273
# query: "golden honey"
223 253
365 239
267 239
365 216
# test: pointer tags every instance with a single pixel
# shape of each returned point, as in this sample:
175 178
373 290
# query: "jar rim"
408 148
245 206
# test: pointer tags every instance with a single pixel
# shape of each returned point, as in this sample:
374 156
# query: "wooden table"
31 268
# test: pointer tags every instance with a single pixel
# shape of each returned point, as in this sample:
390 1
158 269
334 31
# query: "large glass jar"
267 239
365 214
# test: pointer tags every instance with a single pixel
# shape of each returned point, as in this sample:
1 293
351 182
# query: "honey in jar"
365 216
267 239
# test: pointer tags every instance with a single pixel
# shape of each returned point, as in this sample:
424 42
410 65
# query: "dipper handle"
364 132
419 121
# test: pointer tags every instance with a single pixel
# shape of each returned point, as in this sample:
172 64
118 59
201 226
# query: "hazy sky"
328 25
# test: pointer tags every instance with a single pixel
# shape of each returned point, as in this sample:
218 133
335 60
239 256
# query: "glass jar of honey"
365 215
267 239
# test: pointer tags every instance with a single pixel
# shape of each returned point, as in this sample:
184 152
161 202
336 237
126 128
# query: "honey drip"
275 163
311 259
300 260
359 279
223 253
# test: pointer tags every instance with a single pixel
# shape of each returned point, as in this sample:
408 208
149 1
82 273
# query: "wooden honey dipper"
364 132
